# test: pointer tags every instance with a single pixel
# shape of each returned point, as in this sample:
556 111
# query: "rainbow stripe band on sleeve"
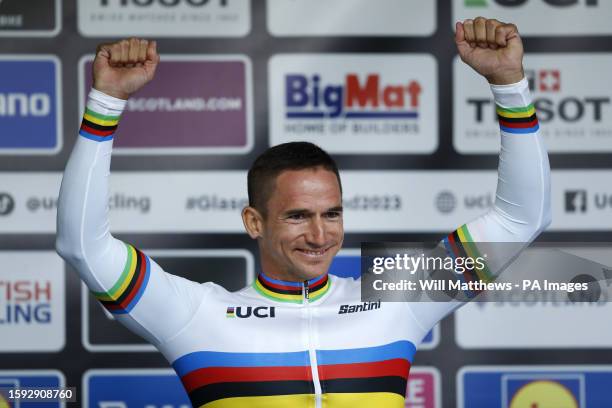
518 120
459 244
130 286
98 127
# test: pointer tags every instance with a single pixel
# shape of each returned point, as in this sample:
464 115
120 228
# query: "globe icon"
446 202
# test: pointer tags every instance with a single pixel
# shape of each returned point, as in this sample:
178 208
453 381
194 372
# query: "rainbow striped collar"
292 292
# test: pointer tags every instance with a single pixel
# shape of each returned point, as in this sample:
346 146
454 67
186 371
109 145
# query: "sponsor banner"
34 18
348 264
424 388
182 111
574 110
534 386
374 201
32 303
351 17
123 388
30 104
231 268
164 18
355 103
534 321
30 379
542 17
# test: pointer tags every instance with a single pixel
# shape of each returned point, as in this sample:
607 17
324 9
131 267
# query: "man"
291 348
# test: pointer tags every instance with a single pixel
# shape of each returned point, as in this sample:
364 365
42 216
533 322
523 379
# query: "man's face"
303 228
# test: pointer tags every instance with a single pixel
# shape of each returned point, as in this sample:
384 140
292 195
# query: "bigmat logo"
32 18
12 379
349 103
100 331
323 17
149 388
32 314
183 111
534 387
424 388
574 110
543 17
164 18
30 108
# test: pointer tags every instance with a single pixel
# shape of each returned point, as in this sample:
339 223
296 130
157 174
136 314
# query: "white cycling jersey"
275 343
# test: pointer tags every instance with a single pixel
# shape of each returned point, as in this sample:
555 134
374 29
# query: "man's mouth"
313 253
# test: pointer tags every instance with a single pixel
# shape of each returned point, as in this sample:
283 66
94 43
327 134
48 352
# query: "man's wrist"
105 104
506 78
112 93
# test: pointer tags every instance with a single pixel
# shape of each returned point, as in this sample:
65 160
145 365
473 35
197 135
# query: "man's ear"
253 222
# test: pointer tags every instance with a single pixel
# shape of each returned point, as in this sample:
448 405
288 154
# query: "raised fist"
494 49
123 67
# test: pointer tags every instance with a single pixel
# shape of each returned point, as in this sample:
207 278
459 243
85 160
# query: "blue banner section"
346 266
23 380
136 390
349 266
537 388
29 113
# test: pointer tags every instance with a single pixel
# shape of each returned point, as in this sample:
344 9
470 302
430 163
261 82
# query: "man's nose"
316 232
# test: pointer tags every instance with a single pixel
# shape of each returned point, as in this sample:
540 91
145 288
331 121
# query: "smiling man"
297 337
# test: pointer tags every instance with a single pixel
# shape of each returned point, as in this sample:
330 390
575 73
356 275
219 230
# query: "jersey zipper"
312 353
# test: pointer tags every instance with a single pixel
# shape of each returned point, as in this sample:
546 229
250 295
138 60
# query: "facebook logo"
575 201
30 113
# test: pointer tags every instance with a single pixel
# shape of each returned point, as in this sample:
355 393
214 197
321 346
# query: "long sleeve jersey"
276 343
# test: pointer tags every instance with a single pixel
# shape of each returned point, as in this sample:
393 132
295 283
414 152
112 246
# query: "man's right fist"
122 68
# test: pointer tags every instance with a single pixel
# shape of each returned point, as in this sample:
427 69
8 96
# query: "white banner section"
374 201
539 324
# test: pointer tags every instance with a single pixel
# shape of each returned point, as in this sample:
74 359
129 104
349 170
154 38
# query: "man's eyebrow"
336 209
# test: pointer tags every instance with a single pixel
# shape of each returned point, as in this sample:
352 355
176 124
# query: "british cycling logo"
243 312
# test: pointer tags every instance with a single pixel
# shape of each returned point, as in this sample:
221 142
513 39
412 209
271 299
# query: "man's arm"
130 285
522 203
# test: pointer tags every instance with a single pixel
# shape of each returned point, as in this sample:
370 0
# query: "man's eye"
297 216
334 214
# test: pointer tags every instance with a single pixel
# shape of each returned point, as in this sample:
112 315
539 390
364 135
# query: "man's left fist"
494 49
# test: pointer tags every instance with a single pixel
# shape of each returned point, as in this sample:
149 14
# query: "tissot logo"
164 18
363 307
575 114
576 201
243 312
6 204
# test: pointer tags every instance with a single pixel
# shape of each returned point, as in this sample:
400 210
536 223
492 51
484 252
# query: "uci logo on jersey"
243 312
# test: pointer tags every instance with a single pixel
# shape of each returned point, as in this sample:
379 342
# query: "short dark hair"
287 156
